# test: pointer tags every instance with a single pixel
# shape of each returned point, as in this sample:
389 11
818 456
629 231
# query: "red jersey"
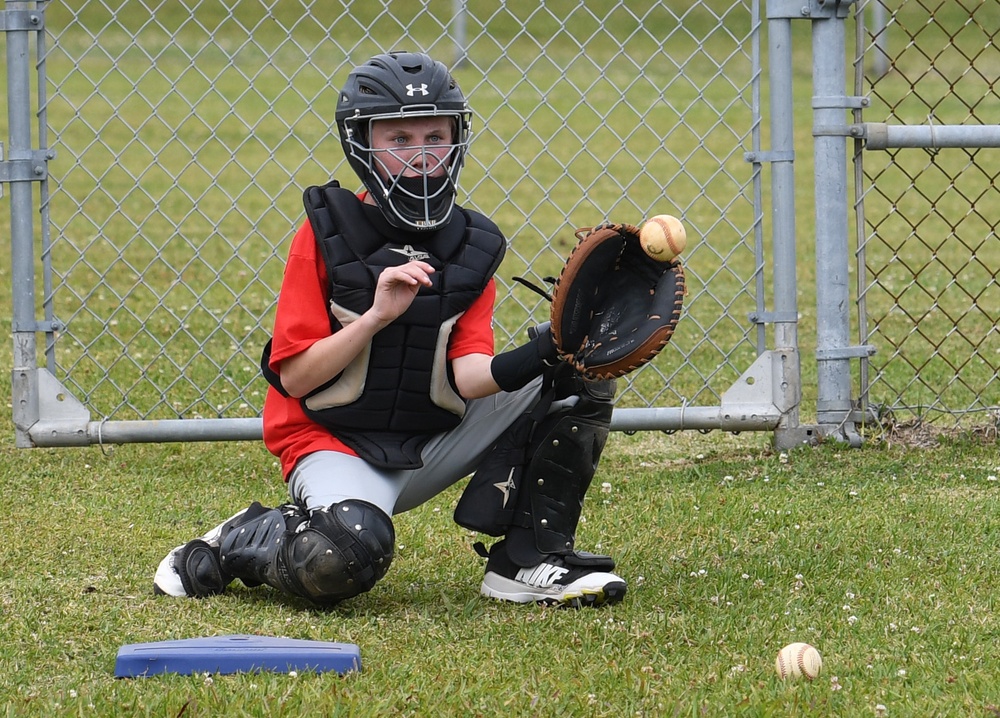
301 319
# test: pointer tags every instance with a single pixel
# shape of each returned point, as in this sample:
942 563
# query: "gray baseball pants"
326 477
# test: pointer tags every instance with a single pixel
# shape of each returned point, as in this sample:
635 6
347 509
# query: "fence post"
788 390
834 404
880 29
458 32
21 167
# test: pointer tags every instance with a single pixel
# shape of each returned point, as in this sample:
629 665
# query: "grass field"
884 557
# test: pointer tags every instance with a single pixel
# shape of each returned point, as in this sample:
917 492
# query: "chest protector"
398 392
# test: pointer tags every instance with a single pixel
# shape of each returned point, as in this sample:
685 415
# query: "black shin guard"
565 451
199 569
335 553
251 547
531 486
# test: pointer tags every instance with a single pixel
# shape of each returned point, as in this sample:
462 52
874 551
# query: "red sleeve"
300 318
473 332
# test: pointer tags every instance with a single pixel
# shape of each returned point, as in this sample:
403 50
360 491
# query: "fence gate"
929 255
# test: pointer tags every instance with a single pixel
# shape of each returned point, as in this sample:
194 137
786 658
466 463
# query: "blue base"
235 654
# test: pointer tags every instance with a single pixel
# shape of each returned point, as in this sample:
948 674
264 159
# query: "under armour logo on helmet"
422 89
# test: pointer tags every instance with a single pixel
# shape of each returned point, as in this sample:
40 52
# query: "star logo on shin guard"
506 487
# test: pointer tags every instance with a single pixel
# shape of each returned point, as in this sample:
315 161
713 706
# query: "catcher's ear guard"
613 307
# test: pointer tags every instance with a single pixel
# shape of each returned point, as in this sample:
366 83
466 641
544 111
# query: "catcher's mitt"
613 307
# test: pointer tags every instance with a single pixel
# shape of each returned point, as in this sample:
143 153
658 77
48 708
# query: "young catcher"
384 388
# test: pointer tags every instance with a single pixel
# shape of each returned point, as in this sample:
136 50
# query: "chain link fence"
186 132
930 252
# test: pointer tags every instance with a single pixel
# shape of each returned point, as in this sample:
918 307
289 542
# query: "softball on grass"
663 237
798 660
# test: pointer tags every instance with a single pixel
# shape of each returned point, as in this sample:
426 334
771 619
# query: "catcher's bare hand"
397 287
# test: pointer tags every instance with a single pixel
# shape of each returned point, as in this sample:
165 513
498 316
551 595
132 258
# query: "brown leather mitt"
613 307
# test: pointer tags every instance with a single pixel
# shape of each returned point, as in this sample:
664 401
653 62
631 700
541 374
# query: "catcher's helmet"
402 85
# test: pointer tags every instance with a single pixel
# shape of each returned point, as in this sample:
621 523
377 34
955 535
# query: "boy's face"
412 146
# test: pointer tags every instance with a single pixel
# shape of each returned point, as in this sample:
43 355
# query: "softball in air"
798 660
663 237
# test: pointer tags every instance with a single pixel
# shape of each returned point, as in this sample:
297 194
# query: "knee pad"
345 549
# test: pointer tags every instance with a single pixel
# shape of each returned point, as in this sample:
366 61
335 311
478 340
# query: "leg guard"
251 547
339 552
531 486
194 569
565 450
293 515
197 566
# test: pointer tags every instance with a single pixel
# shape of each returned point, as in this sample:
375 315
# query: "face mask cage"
421 193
